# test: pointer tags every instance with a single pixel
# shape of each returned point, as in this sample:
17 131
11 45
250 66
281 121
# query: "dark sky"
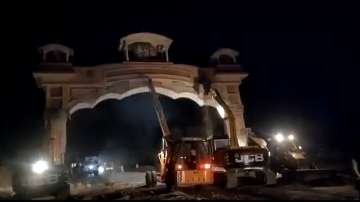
302 58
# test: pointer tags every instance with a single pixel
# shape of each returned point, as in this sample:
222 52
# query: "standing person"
357 175
193 157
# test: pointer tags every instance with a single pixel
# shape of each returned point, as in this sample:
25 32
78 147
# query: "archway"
112 125
71 88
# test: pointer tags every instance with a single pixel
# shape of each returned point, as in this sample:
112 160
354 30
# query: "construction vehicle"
93 166
193 162
40 179
290 160
90 166
229 161
176 169
235 162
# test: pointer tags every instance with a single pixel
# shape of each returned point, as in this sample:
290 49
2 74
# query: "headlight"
101 169
40 166
279 137
179 167
291 137
207 165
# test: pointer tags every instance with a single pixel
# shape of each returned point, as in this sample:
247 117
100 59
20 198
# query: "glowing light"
300 147
291 137
179 167
221 111
40 166
279 137
207 165
101 169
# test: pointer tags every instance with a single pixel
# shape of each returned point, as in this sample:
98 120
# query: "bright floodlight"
291 137
101 169
221 111
279 137
40 166
300 147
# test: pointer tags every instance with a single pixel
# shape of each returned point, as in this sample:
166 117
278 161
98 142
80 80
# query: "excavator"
183 161
290 160
229 161
234 162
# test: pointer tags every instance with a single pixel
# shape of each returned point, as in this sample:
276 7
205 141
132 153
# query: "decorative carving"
83 92
232 89
234 99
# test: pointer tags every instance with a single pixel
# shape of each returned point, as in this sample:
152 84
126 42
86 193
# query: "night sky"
301 58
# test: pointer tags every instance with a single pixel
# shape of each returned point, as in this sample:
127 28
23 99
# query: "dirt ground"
258 192
255 192
130 186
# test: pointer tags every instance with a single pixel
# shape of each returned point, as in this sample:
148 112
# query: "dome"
56 53
225 56
145 46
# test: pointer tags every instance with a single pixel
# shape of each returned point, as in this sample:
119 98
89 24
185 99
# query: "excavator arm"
159 112
230 119
167 153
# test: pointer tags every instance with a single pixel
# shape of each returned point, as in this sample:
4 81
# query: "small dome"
225 56
56 53
145 46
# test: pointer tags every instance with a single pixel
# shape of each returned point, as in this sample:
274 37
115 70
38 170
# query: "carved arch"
119 96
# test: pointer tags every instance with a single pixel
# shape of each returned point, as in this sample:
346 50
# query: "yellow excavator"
215 164
234 163
183 161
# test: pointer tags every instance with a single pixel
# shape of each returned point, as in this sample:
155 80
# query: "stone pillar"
127 54
167 55
56 129
67 58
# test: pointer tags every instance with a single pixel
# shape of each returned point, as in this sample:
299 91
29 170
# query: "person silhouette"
357 176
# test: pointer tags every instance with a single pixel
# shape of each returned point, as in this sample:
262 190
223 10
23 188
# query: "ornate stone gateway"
70 88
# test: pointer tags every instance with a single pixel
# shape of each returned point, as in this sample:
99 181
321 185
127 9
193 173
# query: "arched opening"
226 59
55 56
127 131
163 91
146 52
